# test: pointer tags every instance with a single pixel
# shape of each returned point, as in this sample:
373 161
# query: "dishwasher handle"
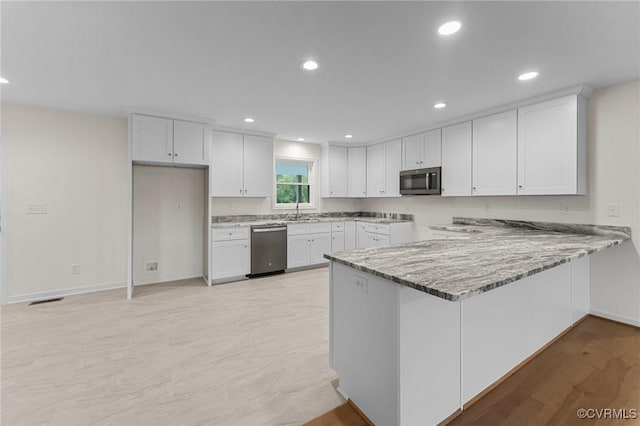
282 228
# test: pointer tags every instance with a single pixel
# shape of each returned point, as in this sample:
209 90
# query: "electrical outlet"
362 285
75 268
179 207
37 209
564 210
151 266
613 210
487 206
233 206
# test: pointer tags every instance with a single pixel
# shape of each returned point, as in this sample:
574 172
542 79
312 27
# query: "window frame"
312 163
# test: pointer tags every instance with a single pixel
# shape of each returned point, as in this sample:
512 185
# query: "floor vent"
38 302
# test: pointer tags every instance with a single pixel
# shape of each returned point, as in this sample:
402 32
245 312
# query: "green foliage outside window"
292 183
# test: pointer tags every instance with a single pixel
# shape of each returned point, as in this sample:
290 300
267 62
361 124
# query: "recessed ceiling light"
439 105
348 136
4 80
249 120
449 28
528 75
300 139
309 65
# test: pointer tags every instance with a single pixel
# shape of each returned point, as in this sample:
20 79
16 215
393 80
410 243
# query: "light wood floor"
595 365
246 353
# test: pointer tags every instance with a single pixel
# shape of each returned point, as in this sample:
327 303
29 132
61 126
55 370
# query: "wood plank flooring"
247 353
594 365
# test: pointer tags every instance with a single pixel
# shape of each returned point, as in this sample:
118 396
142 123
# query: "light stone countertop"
488 254
288 219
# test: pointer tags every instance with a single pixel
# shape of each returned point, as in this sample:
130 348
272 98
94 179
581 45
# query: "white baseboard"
615 317
65 292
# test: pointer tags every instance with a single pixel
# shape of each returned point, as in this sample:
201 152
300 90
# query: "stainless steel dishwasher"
268 249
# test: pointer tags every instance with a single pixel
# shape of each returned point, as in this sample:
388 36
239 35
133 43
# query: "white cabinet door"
412 152
376 170
337 241
152 139
226 165
432 149
191 143
337 171
349 235
548 147
494 154
231 259
319 244
297 250
357 171
456 160
393 164
381 240
258 166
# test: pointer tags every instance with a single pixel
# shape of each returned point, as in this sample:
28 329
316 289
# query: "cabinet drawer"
298 229
377 228
337 226
226 234
317 228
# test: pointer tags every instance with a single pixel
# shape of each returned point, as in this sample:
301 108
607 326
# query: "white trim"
615 317
244 131
130 210
66 292
583 90
312 182
170 115
4 216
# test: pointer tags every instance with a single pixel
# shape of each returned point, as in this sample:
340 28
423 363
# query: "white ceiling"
382 64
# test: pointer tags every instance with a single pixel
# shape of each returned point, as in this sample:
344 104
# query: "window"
294 183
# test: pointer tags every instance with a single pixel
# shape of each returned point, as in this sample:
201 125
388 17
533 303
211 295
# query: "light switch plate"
362 285
37 209
613 210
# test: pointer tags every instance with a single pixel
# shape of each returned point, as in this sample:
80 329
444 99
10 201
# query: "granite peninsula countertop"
285 219
483 254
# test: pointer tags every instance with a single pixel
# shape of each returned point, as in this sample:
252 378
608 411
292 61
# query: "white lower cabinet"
379 235
307 244
350 235
337 241
231 253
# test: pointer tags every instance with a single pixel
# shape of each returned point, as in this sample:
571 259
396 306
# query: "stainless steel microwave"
420 181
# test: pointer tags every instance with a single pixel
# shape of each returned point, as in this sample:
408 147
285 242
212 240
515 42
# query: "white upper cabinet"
191 143
152 139
167 141
456 160
384 162
393 164
227 165
258 166
241 166
494 154
376 168
334 167
422 150
552 147
357 172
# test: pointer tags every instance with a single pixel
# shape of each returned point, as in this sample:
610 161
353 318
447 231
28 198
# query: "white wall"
613 177
76 165
223 206
163 232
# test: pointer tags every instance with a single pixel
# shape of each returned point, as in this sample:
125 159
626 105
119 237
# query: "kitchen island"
420 330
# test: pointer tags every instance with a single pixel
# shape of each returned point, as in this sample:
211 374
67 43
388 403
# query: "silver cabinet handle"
245 246
169 154
175 155
241 191
474 188
520 186
245 191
